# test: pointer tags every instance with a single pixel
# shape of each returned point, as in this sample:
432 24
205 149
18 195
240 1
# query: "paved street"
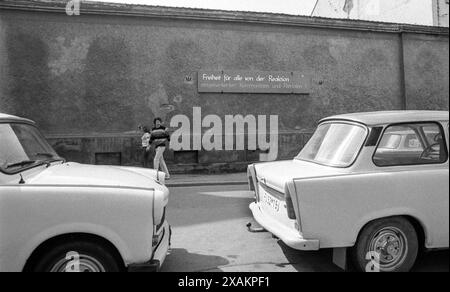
210 234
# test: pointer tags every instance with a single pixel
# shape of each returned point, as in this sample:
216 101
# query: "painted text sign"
253 82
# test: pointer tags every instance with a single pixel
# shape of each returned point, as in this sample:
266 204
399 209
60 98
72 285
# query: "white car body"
333 204
119 205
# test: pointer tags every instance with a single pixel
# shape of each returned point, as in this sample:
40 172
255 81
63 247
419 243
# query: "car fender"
66 229
386 213
58 210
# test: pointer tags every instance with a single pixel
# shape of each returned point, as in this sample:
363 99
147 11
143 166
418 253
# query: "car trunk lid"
272 179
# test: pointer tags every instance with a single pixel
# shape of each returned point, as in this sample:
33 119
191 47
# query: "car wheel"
386 245
81 256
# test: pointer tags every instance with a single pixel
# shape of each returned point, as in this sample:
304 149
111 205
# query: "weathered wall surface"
426 72
110 74
3 60
88 81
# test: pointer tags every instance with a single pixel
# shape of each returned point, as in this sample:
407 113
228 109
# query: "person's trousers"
159 160
145 156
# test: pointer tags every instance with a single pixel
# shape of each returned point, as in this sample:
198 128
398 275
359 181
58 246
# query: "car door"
419 184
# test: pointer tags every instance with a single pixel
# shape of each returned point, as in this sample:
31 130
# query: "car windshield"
22 145
334 144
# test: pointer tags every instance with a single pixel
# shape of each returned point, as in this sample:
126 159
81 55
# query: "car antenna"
21 182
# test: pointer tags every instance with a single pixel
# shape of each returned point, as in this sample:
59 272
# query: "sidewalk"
194 180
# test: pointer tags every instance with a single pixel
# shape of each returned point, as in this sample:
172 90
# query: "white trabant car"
59 216
372 186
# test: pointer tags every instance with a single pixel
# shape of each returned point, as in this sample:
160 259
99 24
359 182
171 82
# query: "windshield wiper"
56 159
52 157
44 154
22 163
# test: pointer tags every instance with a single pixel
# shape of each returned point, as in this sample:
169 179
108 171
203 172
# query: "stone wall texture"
90 80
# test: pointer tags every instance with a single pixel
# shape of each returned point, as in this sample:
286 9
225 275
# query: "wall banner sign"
253 82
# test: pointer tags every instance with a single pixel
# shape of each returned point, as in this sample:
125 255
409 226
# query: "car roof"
11 118
392 117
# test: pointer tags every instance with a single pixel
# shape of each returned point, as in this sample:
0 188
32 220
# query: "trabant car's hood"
277 174
95 175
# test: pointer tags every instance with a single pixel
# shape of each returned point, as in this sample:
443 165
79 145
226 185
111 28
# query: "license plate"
271 202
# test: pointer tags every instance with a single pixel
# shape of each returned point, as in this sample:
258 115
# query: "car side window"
411 144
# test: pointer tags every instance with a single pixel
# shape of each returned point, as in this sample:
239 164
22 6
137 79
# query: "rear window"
334 144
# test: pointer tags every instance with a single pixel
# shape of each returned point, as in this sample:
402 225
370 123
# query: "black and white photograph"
223 143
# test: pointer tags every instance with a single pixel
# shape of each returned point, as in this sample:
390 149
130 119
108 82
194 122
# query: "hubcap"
85 264
390 244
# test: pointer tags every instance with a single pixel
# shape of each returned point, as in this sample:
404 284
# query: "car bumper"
289 236
159 256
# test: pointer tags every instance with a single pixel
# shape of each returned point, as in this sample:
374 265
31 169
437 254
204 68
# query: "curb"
202 184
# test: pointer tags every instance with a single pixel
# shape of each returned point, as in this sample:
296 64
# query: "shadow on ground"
433 261
309 261
180 260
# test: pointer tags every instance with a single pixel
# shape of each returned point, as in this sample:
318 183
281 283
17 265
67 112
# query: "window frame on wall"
386 128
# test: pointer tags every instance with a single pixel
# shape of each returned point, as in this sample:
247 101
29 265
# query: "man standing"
160 137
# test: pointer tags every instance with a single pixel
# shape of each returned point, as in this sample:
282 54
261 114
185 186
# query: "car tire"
78 256
386 245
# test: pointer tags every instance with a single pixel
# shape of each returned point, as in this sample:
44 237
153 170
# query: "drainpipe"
402 77
435 8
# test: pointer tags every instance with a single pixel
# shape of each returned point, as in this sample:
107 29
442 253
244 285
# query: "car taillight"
253 181
290 207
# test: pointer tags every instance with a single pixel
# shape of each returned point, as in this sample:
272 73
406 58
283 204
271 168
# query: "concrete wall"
426 71
89 80
3 60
